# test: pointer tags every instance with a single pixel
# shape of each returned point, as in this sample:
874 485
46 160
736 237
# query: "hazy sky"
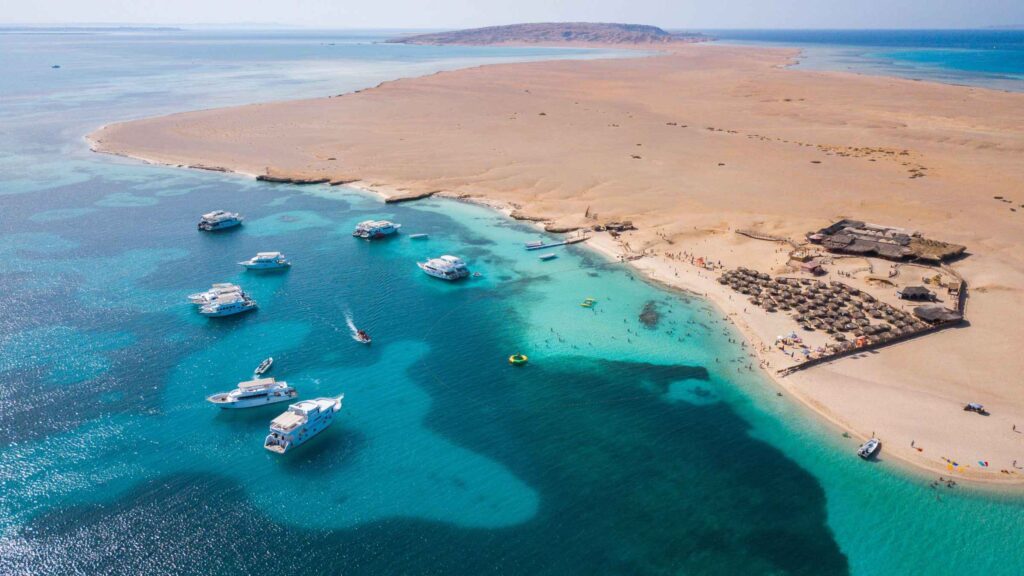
466 13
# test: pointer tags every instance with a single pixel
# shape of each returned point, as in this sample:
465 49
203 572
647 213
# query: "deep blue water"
619 449
989 58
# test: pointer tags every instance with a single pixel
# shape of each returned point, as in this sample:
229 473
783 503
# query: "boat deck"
287 421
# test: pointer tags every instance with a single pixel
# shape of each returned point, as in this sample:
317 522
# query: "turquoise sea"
990 58
620 448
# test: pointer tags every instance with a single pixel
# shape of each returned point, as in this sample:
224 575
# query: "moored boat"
548 256
228 306
219 290
446 268
256 392
266 261
373 229
868 449
419 236
302 421
219 220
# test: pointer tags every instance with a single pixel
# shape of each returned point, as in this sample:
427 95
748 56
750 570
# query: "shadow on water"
628 481
637 486
325 454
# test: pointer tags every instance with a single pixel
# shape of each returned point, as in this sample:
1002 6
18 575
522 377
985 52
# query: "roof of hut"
937 314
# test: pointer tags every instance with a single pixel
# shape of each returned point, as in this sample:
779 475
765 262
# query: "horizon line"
275 26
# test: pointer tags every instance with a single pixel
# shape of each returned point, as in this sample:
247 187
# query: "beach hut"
916 293
936 314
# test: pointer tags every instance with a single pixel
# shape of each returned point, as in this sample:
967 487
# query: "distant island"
555 32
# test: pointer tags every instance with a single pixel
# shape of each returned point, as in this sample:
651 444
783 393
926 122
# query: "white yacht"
228 306
215 292
446 267
266 261
219 220
373 229
302 421
257 392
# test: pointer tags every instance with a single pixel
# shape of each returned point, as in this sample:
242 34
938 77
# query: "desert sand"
692 145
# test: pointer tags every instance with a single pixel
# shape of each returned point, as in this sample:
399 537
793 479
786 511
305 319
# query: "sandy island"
691 146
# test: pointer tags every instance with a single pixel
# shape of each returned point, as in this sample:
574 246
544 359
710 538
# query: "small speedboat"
868 449
420 236
263 367
548 256
362 336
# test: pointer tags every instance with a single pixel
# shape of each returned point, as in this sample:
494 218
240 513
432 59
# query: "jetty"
541 244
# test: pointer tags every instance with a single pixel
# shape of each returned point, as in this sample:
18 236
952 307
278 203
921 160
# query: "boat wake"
358 335
351 325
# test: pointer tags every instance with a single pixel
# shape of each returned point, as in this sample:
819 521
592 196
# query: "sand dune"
692 145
